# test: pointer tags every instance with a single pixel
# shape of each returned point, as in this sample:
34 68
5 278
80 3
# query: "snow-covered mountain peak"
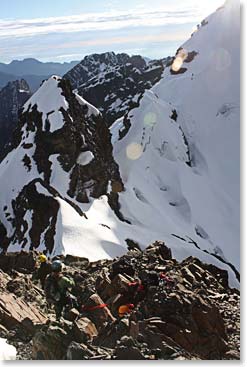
49 100
48 87
61 149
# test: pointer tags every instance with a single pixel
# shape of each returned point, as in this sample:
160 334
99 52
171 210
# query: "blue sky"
65 30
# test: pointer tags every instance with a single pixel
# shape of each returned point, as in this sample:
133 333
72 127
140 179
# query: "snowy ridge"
91 109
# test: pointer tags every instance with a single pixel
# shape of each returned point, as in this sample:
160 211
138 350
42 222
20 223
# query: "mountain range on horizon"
32 70
35 67
124 77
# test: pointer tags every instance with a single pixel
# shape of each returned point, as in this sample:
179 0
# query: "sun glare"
134 151
180 57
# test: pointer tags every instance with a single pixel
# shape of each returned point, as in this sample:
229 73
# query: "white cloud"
97 21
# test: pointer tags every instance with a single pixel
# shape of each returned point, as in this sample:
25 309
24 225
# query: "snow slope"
182 177
181 182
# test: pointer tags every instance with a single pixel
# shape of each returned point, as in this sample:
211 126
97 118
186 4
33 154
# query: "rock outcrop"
181 310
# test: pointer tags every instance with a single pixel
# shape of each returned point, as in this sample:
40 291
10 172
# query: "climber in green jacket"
57 289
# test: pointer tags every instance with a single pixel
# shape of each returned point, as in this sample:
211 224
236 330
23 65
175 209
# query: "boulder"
14 311
119 284
84 330
159 248
125 265
102 283
109 336
50 343
97 311
72 314
4 279
127 349
187 274
81 351
233 355
78 351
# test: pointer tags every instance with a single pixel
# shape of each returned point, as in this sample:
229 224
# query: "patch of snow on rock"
85 158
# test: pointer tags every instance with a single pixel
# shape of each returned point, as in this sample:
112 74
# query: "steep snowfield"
179 161
166 198
198 200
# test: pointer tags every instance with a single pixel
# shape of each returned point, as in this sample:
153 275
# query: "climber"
166 280
136 291
57 287
43 268
125 309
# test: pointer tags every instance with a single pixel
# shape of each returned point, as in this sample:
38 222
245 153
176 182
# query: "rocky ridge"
184 310
114 83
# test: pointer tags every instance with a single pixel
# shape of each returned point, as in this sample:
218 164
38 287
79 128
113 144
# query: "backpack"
51 287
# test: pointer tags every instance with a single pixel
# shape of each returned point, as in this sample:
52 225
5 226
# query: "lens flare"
150 119
134 151
177 63
179 59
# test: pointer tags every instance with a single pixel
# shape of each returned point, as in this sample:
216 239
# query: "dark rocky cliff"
12 98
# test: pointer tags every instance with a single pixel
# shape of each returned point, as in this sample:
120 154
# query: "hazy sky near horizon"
64 30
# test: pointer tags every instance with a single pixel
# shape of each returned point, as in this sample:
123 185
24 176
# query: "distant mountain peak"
114 82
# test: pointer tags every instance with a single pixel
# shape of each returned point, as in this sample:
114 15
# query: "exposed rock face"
67 139
12 98
15 312
22 261
181 311
114 83
91 65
